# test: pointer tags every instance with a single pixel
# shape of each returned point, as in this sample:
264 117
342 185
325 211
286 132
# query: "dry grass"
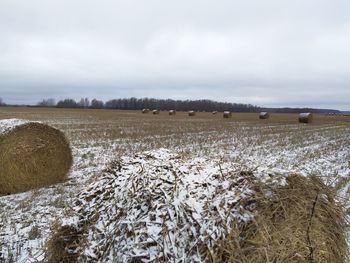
31 156
62 245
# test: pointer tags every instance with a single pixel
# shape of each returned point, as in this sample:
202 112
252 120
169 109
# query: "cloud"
292 53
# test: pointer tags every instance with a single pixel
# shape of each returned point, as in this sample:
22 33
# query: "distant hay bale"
264 115
305 117
145 111
191 113
32 155
214 112
155 111
172 112
227 114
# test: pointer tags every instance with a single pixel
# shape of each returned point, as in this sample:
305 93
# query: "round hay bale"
155 111
145 111
191 113
214 112
172 112
227 114
299 222
305 117
264 115
32 155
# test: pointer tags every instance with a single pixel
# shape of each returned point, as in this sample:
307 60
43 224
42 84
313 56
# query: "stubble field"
277 145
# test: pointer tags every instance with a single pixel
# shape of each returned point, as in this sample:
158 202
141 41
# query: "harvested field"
278 145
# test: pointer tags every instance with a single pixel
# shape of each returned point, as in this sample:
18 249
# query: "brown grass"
63 244
32 156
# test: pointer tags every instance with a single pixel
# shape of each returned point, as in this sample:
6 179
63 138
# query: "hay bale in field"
300 221
305 117
214 112
213 212
191 113
264 115
227 114
32 155
172 112
155 111
145 111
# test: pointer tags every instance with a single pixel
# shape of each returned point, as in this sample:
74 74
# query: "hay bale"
305 117
298 222
227 114
214 112
172 112
32 155
191 113
264 115
145 111
155 111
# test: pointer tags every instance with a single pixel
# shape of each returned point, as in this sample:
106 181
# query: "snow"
9 124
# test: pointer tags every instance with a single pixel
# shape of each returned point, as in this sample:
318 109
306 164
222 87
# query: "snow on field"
25 219
8 124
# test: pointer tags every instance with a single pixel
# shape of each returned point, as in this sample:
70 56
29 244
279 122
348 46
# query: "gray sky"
270 53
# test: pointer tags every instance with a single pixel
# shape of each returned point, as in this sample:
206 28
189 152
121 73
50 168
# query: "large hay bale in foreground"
299 222
227 114
305 117
32 155
264 115
201 210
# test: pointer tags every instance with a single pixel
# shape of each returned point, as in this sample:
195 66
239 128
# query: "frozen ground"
25 219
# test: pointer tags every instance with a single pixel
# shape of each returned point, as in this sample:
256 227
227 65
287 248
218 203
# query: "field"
277 145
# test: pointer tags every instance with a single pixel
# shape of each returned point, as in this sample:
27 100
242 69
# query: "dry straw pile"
264 115
172 112
163 207
305 117
155 111
145 110
32 155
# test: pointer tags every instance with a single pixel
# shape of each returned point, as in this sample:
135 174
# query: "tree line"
150 103
167 104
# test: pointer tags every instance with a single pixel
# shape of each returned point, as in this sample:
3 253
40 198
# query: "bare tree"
97 104
67 103
47 103
84 103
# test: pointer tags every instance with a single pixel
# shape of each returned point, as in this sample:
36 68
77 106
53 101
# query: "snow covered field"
280 145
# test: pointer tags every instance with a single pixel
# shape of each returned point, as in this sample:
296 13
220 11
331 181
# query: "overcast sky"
269 53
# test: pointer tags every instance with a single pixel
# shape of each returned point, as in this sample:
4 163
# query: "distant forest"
166 104
151 103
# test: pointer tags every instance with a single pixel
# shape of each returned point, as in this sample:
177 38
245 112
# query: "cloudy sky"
269 53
